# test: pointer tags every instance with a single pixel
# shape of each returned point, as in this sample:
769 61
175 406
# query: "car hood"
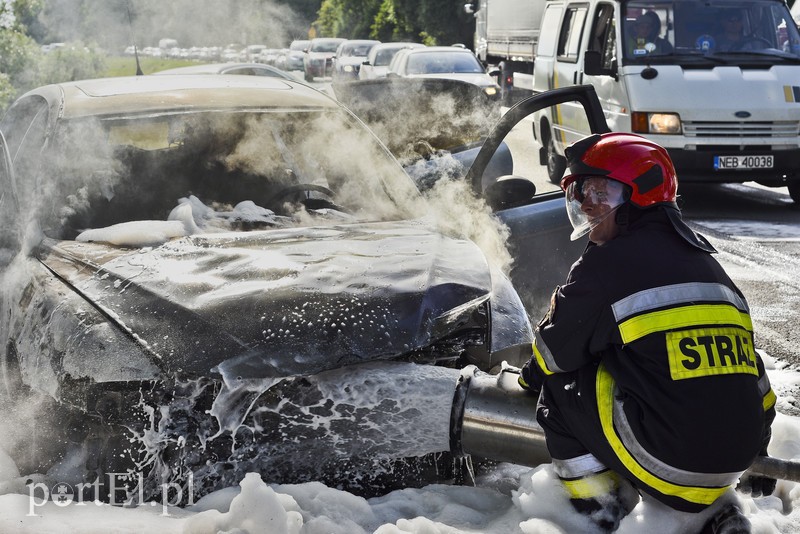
350 60
321 55
760 92
477 78
280 302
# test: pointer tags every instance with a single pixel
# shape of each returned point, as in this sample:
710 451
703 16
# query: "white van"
717 83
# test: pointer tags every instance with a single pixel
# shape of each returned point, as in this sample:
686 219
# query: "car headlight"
491 91
348 68
655 123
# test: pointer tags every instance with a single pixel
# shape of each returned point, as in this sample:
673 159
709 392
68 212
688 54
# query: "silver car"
377 63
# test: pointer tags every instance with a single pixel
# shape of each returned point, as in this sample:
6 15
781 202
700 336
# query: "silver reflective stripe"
660 469
541 346
763 384
659 297
578 467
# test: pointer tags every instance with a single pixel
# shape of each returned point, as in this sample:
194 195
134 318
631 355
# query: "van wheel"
794 191
556 163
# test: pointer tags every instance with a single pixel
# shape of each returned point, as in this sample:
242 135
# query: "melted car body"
209 229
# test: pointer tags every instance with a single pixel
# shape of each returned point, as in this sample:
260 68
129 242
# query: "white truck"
717 83
506 33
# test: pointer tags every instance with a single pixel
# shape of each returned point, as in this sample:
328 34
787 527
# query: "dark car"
349 57
185 256
443 62
318 57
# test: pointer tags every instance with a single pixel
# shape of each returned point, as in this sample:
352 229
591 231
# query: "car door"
569 123
539 239
602 41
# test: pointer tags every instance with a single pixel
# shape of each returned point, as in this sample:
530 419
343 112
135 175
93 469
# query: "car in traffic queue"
318 57
184 254
443 62
294 57
376 64
349 57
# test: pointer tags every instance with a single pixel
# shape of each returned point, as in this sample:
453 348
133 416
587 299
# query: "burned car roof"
143 94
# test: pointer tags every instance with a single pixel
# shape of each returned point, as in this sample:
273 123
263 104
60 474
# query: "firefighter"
645 362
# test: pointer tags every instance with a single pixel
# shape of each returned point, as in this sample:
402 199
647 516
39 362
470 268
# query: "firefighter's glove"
758 485
531 378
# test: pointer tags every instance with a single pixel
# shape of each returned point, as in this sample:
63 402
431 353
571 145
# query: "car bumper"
698 165
319 68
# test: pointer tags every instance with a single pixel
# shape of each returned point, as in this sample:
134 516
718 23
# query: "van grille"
741 129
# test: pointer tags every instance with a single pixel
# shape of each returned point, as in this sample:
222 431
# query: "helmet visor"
590 200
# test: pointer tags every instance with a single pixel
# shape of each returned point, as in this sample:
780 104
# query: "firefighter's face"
600 198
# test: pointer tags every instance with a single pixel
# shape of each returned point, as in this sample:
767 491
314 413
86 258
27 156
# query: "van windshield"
724 31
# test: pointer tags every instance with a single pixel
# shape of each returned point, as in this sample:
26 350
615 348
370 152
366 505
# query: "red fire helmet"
637 162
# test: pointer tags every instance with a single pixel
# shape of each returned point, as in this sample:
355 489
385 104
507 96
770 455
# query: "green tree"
431 22
440 22
19 55
351 19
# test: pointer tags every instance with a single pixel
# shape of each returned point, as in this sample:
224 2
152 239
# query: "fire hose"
494 418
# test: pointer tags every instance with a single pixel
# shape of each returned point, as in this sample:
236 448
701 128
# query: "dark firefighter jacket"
679 381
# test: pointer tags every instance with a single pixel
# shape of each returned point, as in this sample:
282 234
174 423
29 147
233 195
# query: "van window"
569 39
709 33
549 31
648 29
604 35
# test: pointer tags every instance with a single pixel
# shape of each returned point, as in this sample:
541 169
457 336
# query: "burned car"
184 254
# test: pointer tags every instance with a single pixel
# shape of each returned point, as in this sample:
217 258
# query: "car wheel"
556 163
794 191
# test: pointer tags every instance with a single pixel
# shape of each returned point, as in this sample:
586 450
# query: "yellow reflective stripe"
540 361
605 400
683 317
769 400
591 486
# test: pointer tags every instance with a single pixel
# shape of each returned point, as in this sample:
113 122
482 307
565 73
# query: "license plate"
742 162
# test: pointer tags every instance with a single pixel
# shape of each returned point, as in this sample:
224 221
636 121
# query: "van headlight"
655 123
491 91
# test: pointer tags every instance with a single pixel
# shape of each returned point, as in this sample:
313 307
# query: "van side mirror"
593 67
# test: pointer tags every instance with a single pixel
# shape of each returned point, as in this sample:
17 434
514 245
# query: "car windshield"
384 57
247 170
443 62
356 50
325 46
688 32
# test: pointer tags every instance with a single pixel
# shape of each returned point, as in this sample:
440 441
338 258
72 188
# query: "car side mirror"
509 192
494 72
593 66
366 63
